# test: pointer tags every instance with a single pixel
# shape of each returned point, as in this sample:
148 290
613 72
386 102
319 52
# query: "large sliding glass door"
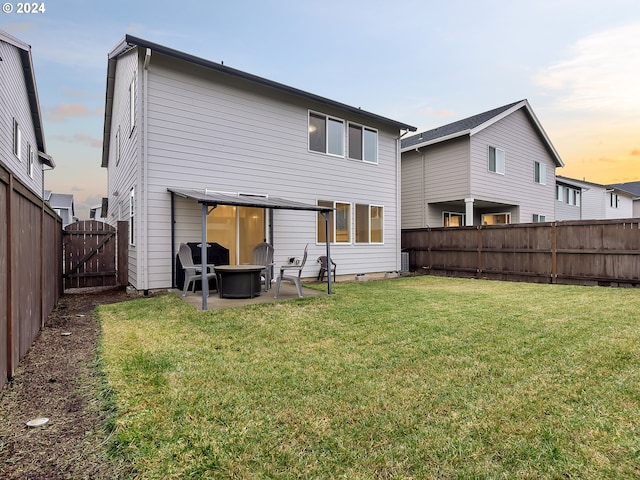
237 228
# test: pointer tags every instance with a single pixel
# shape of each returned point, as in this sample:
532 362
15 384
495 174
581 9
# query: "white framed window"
496 218
118 146
369 223
132 104
17 140
537 218
132 213
452 219
576 197
339 222
614 200
559 193
363 143
326 134
496 160
30 160
540 173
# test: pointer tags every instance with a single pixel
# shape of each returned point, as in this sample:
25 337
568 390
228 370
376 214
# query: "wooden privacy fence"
95 254
596 252
30 268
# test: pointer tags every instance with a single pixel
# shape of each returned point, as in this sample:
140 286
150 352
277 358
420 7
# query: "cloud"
601 74
432 112
63 111
635 153
81 138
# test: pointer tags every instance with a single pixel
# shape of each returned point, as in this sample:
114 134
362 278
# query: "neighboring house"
596 201
569 198
634 189
62 204
181 130
95 213
22 146
493 168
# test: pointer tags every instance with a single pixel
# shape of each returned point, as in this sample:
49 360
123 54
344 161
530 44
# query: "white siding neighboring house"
176 123
634 189
494 167
22 145
63 205
598 202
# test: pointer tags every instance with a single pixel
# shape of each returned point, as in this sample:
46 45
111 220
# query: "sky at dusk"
422 62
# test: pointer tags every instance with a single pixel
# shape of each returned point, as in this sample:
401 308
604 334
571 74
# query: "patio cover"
213 199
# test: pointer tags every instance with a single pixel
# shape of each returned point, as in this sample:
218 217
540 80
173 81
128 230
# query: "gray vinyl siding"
515 135
205 131
436 173
564 211
15 104
123 175
412 190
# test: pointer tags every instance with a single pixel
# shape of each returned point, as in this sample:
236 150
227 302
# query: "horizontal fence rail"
596 252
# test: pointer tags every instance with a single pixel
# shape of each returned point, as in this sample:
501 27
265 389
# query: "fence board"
30 268
585 252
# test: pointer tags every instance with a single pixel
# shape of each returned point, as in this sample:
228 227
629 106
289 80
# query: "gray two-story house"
22 145
496 167
181 132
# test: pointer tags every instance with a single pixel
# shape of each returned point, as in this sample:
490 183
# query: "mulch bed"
58 379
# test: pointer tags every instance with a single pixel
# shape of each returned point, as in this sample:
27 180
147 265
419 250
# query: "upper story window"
17 140
575 197
496 160
363 143
559 193
132 104
326 134
540 173
30 161
118 146
614 200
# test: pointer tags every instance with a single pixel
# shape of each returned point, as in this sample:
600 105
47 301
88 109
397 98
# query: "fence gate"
90 254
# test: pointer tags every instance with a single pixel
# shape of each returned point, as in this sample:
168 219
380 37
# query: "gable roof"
631 187
32 92
130 41
476 123
60 200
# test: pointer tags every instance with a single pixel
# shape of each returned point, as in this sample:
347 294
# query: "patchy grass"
421 377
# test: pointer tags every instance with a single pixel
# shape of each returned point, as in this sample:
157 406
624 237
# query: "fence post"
122 262
479 265
554 252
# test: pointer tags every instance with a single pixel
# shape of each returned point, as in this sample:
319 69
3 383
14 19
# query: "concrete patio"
214 302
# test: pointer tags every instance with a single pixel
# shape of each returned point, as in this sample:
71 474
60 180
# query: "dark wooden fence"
596 252
30 268
95 254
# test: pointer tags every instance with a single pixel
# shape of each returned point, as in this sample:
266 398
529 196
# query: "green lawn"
411 378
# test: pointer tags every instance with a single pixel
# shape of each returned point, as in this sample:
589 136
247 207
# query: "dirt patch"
58 379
